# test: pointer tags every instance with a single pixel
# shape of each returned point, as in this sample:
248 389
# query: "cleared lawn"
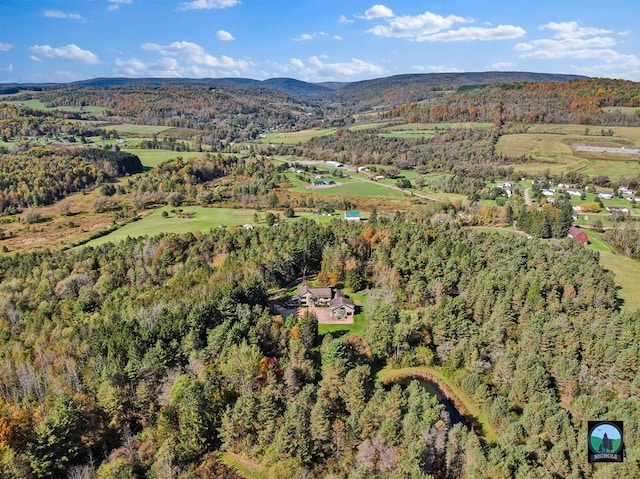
138 129
154 224
348 188
626 270
152 158
37 104
550 148
295 137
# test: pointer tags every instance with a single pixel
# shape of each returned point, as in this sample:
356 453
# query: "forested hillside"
171 356
149 356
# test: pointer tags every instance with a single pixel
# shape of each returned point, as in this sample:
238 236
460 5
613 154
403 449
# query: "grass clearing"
246 468
357 327
348 187
295 137
626 270
154 224
152 158
550 147
128 129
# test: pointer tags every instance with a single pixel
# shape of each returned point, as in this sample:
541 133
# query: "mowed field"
295 137
550 147
154 224
626 270
345 187
152 158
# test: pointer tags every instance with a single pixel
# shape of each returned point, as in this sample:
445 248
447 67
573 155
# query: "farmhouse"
605 196
578 235
339 306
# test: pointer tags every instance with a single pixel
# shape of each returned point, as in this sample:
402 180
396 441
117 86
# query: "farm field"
154 224
348 187
293 138
550 148
39 105
203 221
626 270
152 158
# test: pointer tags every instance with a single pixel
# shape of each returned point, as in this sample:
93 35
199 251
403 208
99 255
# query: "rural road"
391 187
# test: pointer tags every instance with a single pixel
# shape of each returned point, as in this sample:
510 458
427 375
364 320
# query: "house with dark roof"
578 235
340 306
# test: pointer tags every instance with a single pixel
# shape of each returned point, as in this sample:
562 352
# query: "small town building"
352 215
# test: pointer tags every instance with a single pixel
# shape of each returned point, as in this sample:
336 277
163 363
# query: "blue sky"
314 40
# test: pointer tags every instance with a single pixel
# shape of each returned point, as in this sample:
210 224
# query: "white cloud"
59 14
180 60
8 68
316 68
305 37
5 47
116 4
472 34
224 36
501 65
164 68
416 27
208 4
378 11
337 37
431 27
343 19
69 52
592 45
573 30
436 69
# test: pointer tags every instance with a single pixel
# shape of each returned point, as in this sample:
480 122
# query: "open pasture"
295 137
142 130
550 146
626 270
347 187
204 219
152 158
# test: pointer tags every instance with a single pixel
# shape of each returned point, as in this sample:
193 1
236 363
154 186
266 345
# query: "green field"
348 187
152 158
204 220
154 224
128 129
550 148
38 105
295 137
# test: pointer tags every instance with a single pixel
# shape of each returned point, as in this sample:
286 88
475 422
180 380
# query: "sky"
314 40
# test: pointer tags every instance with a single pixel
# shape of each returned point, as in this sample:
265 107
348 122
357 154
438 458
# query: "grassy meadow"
152 158
626 270
550 148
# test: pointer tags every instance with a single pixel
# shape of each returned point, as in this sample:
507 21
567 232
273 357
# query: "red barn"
578 235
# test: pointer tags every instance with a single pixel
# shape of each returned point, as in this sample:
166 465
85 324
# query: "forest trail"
463 403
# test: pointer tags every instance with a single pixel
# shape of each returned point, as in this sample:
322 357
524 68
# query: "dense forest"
148 356
166 357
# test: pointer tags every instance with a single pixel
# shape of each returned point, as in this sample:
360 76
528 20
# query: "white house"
605 196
